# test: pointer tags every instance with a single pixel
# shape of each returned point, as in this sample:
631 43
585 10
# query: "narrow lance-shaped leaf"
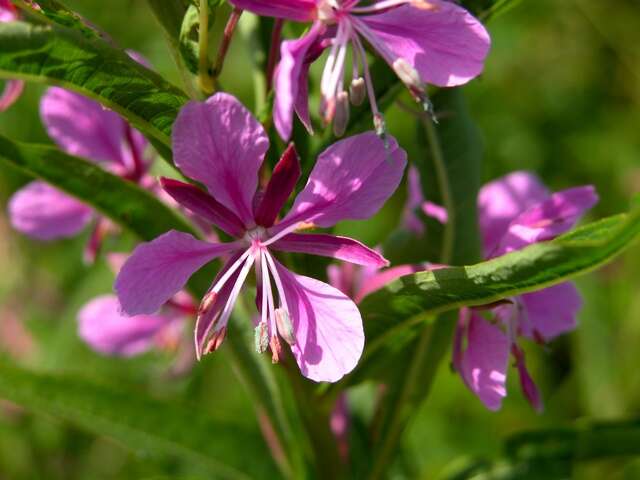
141 422
54 54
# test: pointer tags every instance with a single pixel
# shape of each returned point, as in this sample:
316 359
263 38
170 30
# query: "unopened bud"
407 74
261 337
285 328
276 350
357 91
341 117
215 341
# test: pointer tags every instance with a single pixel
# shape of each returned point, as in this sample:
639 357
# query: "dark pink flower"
222 146
424 41
13 88
516 211
85 128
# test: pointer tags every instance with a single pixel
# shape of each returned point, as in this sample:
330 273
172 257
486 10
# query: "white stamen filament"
225 278
378 6
281 234
268 293
235 291
278 280
328 66
357 44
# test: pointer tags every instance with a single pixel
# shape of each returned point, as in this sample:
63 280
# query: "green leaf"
407 302
54 11
57 55
141 422
120 200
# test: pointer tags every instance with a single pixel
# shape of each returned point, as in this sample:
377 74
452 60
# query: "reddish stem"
229 29
274 52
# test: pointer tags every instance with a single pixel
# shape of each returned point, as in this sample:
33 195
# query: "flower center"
256 236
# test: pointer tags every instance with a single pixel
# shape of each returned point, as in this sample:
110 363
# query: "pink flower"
80 127
13 88
424 41
516 211
221 145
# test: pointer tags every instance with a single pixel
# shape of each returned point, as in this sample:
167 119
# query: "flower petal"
220 144
157 270
443 42
11 92
44 212
351 180
548 219
204 205
8 12
483 364
502 200
327 327
550 312
374 281
83 127
290 82
107 331
285 176
333 246
296 10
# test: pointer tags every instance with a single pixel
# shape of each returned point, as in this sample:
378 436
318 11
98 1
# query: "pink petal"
528 386
83 127
11 92
483 364
201 203
502 200
283 180
340 248
327 327
296 10
351 180
548 219
220 144
44 212
290 82
157 270
8 12
550 312
445 43
107 331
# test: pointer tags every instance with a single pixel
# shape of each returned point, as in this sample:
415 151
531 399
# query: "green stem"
205 81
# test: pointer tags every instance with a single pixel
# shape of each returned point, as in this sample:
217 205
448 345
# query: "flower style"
516 211
424 41
80 127
222 146
13 88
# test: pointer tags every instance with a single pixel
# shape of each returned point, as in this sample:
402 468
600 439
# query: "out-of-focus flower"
221 145
13 88
424 41
84 128
515 211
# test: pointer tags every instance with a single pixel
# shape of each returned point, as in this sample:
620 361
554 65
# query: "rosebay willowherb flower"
424 41
222 146
515 211
13 88
84 128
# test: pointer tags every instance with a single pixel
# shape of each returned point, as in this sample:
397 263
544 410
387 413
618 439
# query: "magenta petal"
340 248
204 205
483 365
285 176
107 331
44 212
157 270
290 82
443 42
220 144
83 127
502 200
550 312
548 219
11 92
8 12
327 327
297 10
351 180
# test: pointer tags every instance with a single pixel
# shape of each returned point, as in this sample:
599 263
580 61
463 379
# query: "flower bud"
357 91
341 117
285 328
409 75
261 337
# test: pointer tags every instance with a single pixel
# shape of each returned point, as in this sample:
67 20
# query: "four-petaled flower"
516 211
221 145
13 88
424 41
84 128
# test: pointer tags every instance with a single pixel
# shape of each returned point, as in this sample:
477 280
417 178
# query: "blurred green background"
560 96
